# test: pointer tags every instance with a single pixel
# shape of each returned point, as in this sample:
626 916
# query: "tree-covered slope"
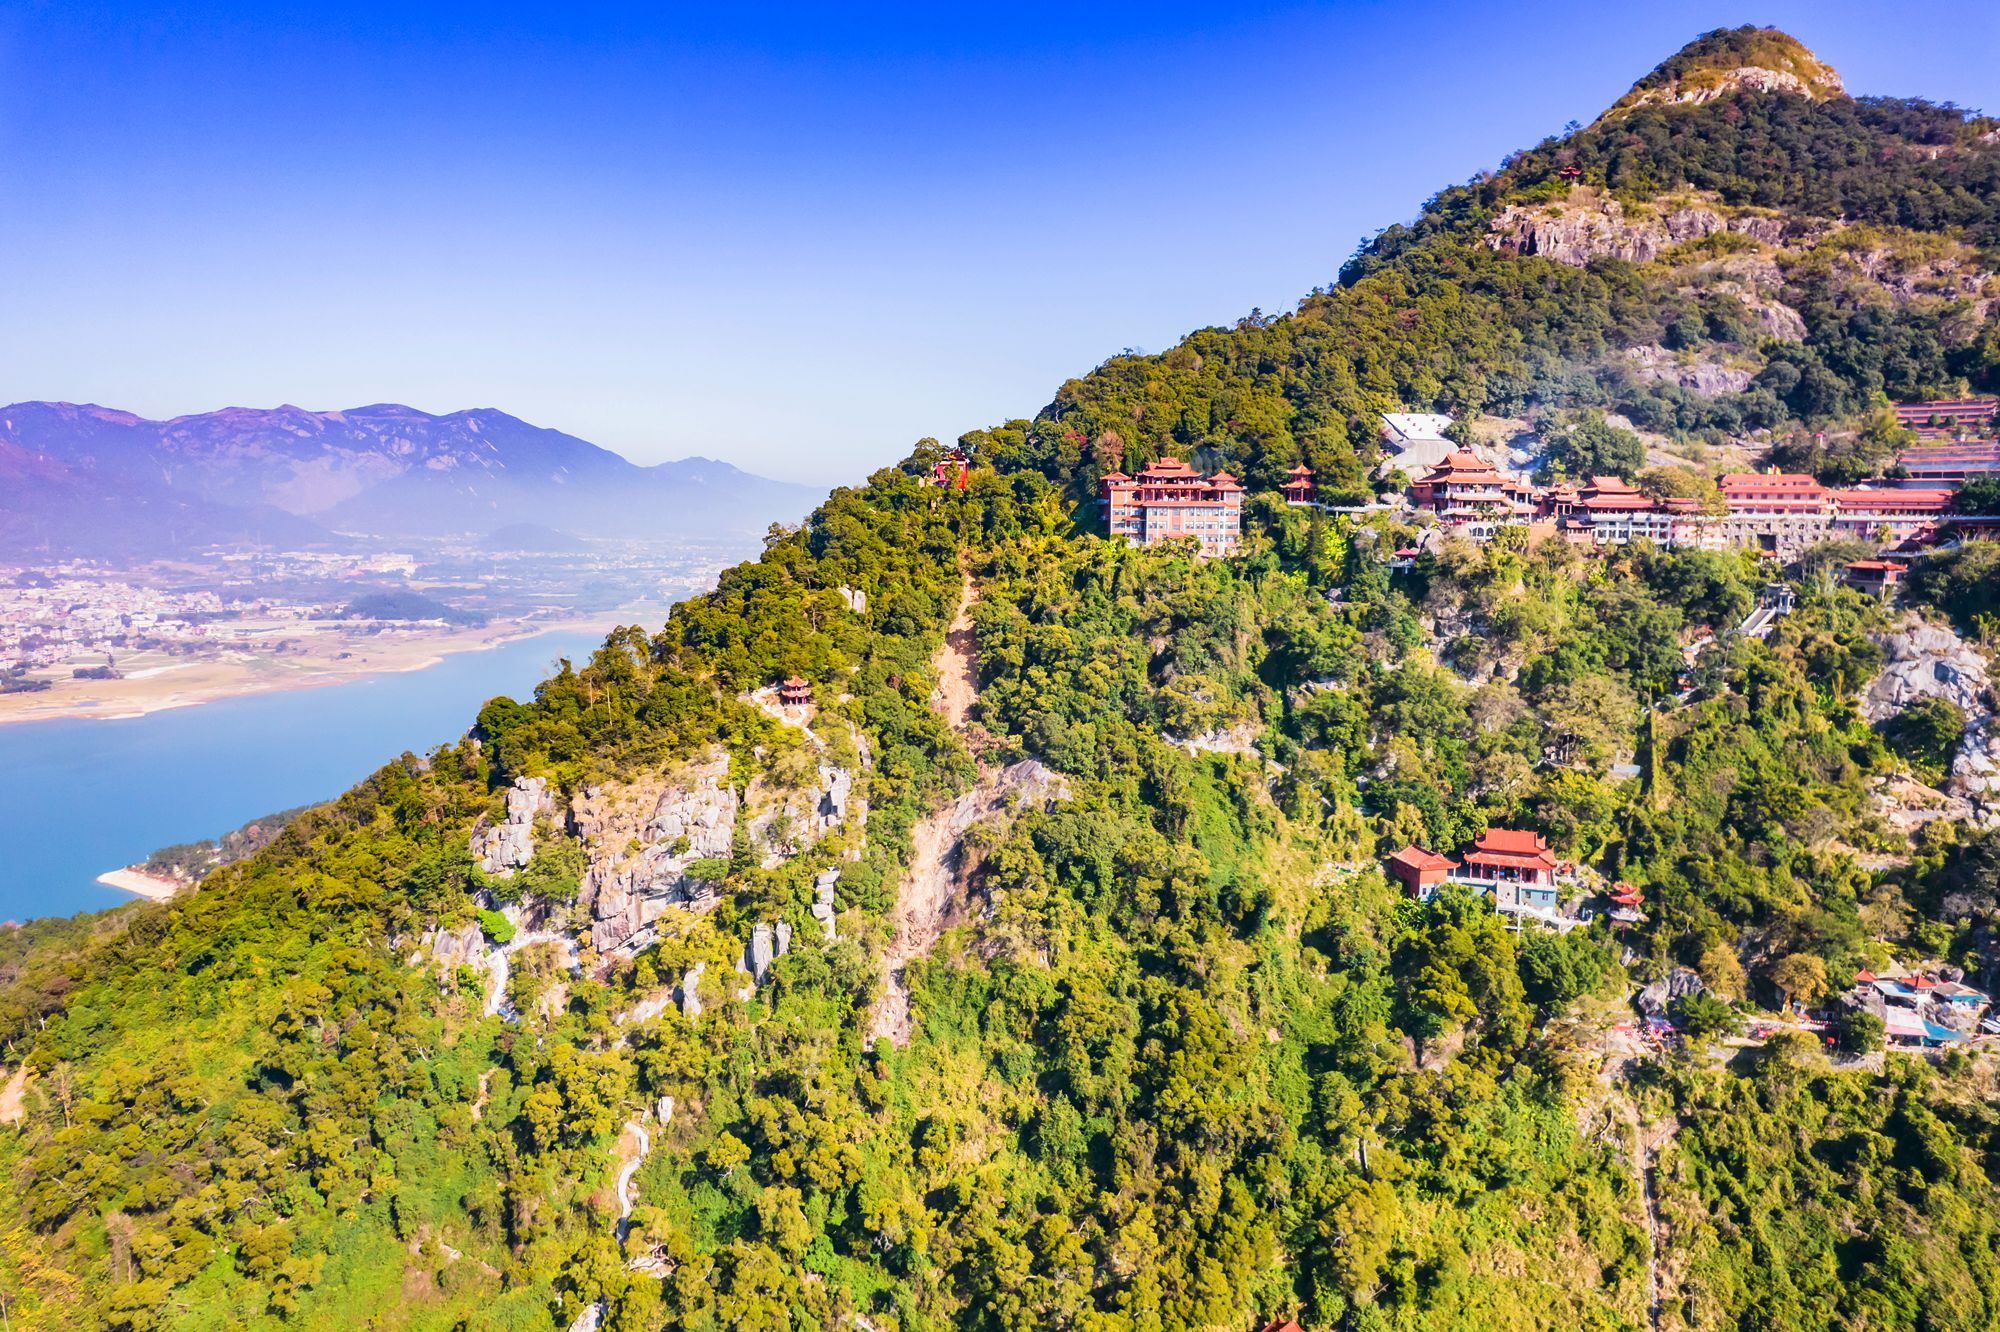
1178 1056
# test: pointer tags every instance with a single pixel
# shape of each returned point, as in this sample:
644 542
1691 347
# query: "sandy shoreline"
236 675
141 885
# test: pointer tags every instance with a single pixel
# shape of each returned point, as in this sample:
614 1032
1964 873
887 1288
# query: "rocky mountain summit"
1727 61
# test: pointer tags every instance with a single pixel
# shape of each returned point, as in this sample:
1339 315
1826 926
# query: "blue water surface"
80 797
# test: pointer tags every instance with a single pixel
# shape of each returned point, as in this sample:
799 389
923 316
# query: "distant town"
84 637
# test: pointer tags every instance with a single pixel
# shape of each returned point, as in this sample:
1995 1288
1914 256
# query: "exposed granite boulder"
781 820
1816 84
1589 225
641 839
463 947
823 909
1656 999
1657 365
1930 661
501 848
836 794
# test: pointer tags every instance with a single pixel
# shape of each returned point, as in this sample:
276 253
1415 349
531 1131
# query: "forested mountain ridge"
1178 1054
1761 266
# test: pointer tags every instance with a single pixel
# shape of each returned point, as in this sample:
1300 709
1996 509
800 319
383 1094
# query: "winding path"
479 1103
957 662
498 967
625 1175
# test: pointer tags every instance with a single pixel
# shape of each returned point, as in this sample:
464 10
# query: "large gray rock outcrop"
1590 226
823 909
641 841
1707 377
1706 84
836 793
1657 999
1930 661
462 947
501 848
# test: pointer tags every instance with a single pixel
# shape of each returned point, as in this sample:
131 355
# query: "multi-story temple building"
1465 491
1170 500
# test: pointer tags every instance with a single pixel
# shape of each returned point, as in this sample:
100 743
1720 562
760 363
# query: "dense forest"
1179 1055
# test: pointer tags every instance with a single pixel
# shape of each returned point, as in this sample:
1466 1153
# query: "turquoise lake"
79 797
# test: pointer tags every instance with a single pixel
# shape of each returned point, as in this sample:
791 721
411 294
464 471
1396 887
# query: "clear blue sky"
796 238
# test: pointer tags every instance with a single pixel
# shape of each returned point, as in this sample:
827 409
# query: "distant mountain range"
88 480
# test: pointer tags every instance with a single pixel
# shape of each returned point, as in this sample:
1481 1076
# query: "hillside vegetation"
1181 1057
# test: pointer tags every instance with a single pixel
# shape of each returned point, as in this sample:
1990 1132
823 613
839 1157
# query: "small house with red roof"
1518 868
949 469
1420 871
1626 901
1878 578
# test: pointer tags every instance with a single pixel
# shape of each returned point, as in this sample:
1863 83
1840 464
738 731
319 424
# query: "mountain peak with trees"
1728 60
961 919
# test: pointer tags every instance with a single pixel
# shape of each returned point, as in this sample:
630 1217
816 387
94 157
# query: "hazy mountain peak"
388 469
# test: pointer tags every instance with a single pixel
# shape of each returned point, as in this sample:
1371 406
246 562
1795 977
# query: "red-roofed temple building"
1781 512
1465 491
1888 513
1950 464
1170 500
1945 418
1878 578
1518 868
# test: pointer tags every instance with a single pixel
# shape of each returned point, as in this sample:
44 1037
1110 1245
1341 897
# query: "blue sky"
797 238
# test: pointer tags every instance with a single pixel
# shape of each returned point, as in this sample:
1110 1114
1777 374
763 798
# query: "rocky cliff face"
1716 83
641 840
501 848
1706 377
1928 661
1589 225
782 822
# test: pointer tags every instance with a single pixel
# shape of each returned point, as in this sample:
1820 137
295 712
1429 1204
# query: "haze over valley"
148 564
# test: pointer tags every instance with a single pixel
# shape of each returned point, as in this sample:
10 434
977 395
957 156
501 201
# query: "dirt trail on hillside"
925 893
956 663
1646 1147
12 1097
479 1103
